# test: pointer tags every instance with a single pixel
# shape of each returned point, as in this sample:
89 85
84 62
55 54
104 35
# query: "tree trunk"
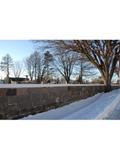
107 82
80 80
67 80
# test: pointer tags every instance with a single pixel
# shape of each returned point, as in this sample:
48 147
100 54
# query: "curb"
109 108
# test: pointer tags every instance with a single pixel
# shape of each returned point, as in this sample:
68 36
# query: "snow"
44 85
110 108
96 107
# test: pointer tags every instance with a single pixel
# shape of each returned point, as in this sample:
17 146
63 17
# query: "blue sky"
18 49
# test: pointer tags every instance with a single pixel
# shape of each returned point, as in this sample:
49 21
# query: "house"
18 80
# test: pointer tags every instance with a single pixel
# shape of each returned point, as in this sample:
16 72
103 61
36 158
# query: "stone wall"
18 102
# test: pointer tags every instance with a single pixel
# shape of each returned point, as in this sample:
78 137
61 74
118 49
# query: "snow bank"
109 109
94 109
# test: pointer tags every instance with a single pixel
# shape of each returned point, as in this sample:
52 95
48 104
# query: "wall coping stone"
46 85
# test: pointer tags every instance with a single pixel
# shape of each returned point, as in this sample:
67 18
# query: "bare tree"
38 65
6 65
30 67
48 61
17 69
64 63
36 61
104 54
41 70
84 69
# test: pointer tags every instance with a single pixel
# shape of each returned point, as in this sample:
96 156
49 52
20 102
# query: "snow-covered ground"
99 106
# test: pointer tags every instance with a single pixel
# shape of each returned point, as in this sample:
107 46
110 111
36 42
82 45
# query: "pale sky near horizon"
18 49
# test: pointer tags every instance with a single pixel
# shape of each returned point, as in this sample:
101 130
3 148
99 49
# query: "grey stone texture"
16 103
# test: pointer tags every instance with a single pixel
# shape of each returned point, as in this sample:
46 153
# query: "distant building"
18 80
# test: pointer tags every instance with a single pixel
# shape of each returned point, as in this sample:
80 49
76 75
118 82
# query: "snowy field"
99 106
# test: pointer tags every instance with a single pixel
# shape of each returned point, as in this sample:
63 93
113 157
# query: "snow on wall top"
44 85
